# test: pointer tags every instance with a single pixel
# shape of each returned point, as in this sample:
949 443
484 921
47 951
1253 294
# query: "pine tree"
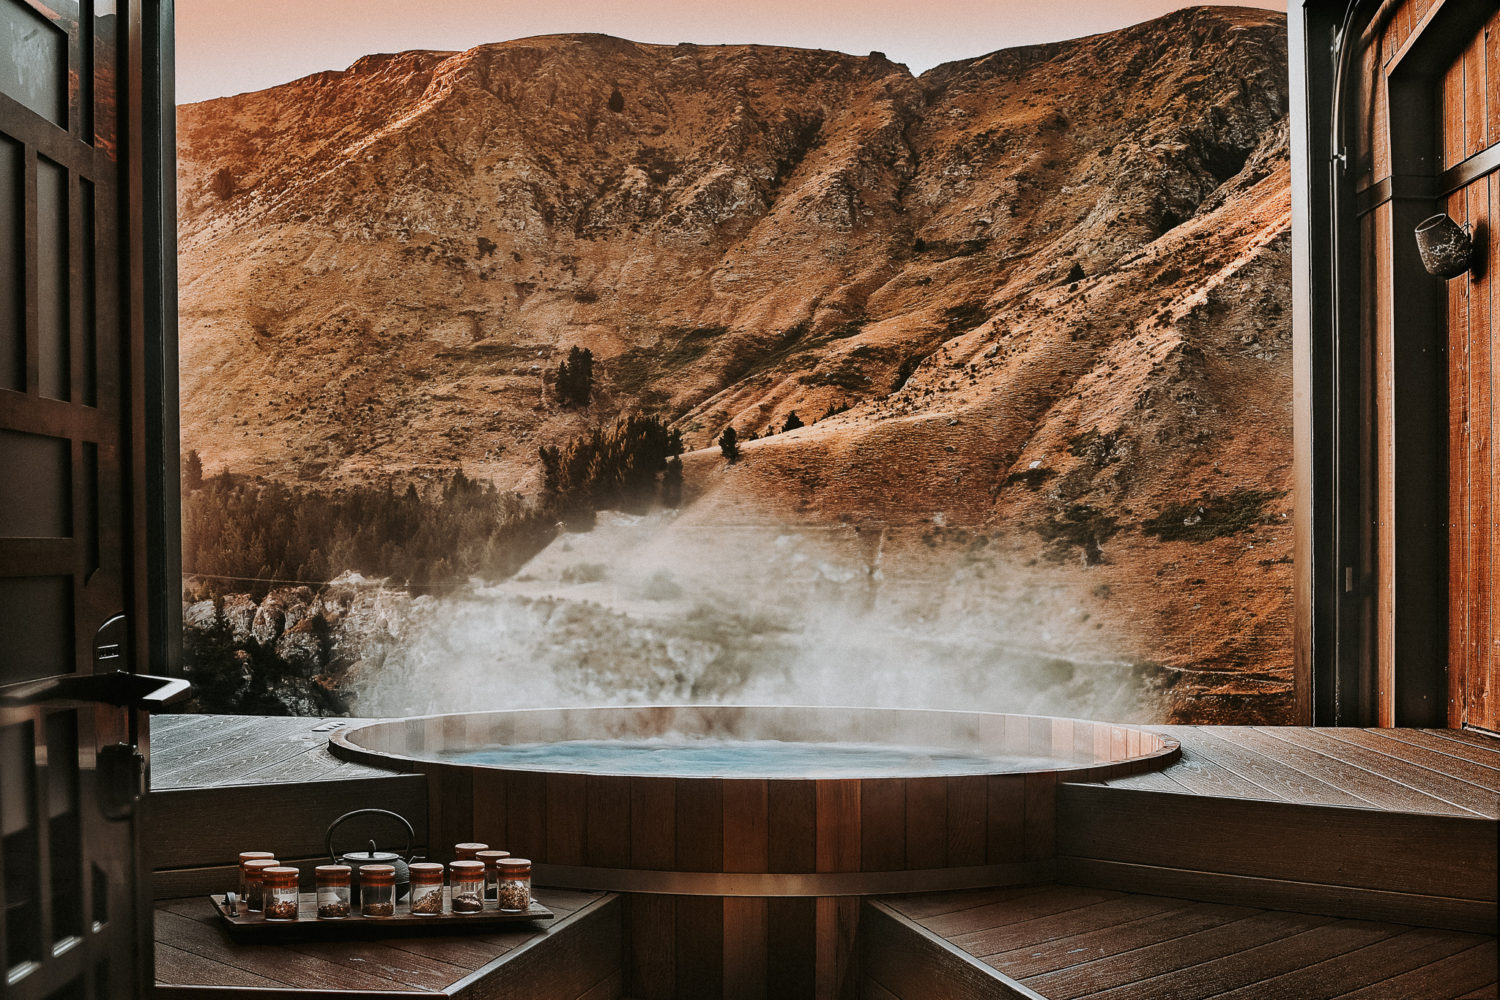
792 422
575 377
729 445
192 472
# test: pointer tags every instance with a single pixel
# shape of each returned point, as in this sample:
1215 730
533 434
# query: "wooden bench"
1063 942
577 956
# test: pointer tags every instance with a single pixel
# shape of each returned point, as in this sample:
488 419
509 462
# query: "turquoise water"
686 757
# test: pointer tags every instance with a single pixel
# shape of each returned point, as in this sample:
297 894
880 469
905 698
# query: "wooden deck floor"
194 954
1439 772
1068 942
201 751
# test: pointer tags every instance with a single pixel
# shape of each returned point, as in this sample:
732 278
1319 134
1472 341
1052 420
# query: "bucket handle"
411 835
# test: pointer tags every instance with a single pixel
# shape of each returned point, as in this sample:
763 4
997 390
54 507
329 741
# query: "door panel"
72 920
1469 90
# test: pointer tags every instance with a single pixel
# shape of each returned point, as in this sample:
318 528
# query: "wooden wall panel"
1458 479
1474 94
1479 589
1385 464
1482 705
1492 79
1452 133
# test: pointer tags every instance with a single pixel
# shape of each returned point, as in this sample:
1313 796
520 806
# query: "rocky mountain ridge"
1042 295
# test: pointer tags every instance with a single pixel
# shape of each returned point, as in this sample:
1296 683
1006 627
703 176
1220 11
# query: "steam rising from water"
652 610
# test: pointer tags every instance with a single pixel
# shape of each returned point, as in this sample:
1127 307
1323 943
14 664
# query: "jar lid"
280 875
377 873
255 863
467 869
490 857
256 856
332 873
514 866
467 850
425 871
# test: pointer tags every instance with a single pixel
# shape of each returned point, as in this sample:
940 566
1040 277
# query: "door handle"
118 687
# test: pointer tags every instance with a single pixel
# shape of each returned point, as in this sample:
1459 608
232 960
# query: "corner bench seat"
1063 942
574 957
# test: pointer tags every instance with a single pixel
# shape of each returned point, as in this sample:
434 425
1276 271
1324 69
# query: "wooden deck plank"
1238 964
217 737
1447 748
1040 930
1045 934
1016 910
1373 964
1434 760
1275 776
1482 748
935 904
1061 953
1356 750
272 962
1170 955
1375 789
376 958
469 951
178 967
257 752
1201 775
1462 974
1151 781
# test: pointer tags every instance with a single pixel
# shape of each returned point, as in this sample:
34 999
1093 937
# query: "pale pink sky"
231 46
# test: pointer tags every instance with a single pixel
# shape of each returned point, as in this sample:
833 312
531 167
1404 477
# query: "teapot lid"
369 857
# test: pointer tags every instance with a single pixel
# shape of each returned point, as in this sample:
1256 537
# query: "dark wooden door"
75 917
1470 154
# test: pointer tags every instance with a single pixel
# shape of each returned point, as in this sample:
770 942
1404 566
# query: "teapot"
375 856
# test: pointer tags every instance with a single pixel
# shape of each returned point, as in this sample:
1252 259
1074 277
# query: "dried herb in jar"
281 910
379 909
429 903
467 902
329 910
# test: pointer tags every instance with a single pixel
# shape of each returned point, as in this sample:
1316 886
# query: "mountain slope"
1049 284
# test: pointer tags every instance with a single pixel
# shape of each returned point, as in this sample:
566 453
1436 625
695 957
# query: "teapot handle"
411 835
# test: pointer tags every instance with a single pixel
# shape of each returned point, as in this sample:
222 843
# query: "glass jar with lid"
468 885
280 887
467 851
491 873
377 890
240 866
515 884
253 871
426 888
333 891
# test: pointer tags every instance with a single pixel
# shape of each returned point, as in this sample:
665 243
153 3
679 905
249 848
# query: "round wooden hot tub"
737 874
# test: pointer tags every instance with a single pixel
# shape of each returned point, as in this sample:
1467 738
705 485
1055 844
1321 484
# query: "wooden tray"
307 926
